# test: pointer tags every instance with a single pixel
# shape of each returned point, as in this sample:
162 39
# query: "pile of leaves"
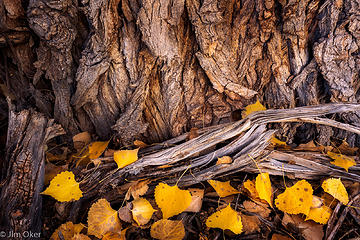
253 205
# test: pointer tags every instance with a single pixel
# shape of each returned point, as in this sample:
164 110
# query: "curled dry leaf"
64 188
223 189
296 199
263 187
80 140
251 223
345 149
309 229
171 200
257 207
226 218
335 188
125 214
68 230
102 218
197 196
167 230
125 157
139 188
142 211
224 160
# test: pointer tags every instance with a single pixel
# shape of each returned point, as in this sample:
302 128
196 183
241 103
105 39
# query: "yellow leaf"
125 157
250 187
226 218
342 161
296 199
80 236
276 142
263 187
320 214
253 108
335 188
96 149
102 219
224 160
168 230
64 188
171 200
68 230
142 211
223 189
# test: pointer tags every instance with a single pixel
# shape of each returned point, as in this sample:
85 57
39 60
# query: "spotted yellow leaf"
165 229
64 188
335 188
263 187
226 218
171 200
342 161
142 211
296 199
253 108
102 219
223 189
125 157
68 230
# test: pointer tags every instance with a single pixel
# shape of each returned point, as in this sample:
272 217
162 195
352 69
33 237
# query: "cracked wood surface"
23 172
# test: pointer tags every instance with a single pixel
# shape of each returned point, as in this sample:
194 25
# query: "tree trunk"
152 69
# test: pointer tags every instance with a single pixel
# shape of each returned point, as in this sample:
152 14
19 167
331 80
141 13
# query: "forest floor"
238 206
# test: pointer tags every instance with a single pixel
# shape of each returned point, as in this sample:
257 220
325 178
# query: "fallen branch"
240 140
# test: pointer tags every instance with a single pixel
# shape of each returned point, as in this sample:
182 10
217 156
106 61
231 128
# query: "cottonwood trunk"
152 69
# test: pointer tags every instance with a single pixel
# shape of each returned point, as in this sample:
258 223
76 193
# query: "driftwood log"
23 173
245 141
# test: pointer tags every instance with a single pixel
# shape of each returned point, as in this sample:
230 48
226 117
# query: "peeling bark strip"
20 198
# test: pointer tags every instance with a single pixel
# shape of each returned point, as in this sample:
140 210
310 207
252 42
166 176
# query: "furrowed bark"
23 173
